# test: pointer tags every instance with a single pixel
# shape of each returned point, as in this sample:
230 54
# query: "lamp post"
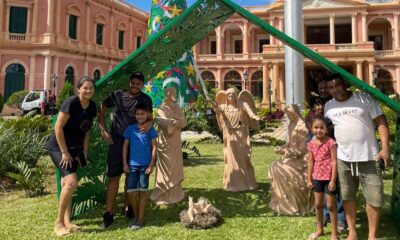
245 77
53 98
270 95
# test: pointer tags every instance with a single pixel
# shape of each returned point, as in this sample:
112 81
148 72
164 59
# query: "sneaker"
342 226
136 226
108 219
129 213
325 221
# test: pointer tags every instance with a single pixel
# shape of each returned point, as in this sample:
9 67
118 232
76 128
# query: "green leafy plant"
1 102
66 92
16 99
31 179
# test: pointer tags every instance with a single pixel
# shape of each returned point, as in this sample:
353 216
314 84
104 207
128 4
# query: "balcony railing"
326 47
205 57
17 37
384 53
234 56
256 56
379 1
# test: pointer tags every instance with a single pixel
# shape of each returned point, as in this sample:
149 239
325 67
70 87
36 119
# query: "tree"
66 92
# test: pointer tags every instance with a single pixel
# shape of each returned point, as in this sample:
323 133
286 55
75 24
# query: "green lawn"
247 215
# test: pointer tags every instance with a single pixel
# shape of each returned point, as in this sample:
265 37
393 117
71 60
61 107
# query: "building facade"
40 39
362 36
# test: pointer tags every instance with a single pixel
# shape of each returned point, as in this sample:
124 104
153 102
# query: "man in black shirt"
123 102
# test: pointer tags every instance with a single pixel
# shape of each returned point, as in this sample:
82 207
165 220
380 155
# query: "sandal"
74 228
61 231
314 236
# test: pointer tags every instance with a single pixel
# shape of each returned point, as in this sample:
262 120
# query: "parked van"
42 101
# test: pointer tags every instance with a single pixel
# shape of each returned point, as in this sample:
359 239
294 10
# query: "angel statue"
169 172
288 174
235 115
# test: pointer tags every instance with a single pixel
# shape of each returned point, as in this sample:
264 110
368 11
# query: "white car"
39 100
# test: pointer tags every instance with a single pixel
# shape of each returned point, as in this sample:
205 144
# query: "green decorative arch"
165 48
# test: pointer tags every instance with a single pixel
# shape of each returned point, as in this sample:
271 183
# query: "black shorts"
56 157
115 166
321 186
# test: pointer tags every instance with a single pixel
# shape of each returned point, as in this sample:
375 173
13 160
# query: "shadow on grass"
194 161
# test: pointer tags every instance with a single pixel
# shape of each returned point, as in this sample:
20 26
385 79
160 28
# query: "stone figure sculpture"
169 173
235 115
288 175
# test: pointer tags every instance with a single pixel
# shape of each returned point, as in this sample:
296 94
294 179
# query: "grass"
247 215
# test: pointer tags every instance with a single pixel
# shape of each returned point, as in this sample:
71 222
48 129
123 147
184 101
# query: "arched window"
256 84
384 82
15 79
233 79
209 78
69 75
96 75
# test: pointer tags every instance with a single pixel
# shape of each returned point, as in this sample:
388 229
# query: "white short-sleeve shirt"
354 126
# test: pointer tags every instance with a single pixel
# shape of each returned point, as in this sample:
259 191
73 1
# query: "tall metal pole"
294 64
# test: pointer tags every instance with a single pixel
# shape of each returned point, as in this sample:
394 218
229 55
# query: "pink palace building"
40 39
361 36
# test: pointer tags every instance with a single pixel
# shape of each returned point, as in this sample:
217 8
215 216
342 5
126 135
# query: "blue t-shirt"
139 145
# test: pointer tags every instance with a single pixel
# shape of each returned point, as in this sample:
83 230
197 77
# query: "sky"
146 4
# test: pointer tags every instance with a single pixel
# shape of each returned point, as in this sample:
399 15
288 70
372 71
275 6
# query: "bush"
31 179
1 102
17 145
37 123
66 92
16 99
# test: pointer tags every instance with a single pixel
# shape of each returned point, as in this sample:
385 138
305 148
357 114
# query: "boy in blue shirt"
140 163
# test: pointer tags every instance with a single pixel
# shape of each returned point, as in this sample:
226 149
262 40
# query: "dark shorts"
56 157
137 179
321 186
115 166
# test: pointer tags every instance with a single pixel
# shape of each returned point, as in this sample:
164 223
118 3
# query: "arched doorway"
380 32
69 75
96 75
15 79
384 82
256 85
233 79
209 78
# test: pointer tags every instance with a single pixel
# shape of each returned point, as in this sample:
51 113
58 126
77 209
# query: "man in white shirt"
355 117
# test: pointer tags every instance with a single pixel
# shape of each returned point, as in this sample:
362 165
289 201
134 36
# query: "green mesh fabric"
396 178
164 49
181 74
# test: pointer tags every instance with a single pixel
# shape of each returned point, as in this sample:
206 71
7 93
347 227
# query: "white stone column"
245 36
265 83
87 25
219 79
220 42
46 74
275 81
396 30
354 28
281 85
272 39
58 18
332 28
1 19
111 26
35 22
56 72
359 70
280 27
371 67
397 78
86 67
364 26
32 72
50 13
